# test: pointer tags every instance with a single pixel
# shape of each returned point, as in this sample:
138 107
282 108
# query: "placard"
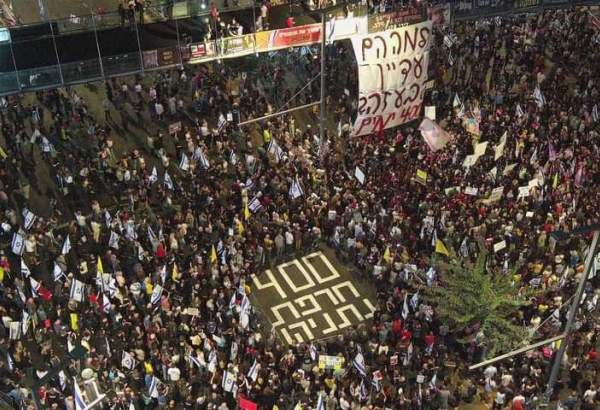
331 362
392 70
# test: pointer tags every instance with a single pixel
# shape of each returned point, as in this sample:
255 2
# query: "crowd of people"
135 235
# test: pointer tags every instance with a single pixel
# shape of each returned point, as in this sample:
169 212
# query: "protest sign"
434 135
330 362
392 69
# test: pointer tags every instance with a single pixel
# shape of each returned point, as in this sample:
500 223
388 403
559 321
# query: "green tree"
469 295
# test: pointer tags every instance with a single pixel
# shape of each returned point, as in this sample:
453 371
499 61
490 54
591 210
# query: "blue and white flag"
168 181
253 372
433 381
58 272
405 310
362 391
359 364
519 111
62 380
113 241
25 270
10 361
153 389
228 382
201 158
29 219
245 312
18 243
274 149
321 402
313 352
539 97
156 294
106 305
295 189
153 176
254 205
233 158
66 246
184 164
127 361
78 397
108 218
198 361
414 301
35 286
77 290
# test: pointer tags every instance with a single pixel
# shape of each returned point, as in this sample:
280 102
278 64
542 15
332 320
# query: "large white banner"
392 70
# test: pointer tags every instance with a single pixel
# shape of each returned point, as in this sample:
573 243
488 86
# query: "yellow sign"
331 362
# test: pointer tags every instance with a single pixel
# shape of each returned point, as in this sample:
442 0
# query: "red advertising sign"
296 36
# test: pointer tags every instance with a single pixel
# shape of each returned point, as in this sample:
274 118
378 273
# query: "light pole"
589 261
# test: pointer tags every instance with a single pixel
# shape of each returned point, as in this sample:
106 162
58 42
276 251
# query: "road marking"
309 282
345 321
302 303
346 284
302 325
332 327
280 321
273 283
329 294
368 303
335 274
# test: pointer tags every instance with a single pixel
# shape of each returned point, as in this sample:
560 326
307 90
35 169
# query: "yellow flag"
149 288
240 227
246 212
99 266
213 255
3 153
441 248
175 273
1 274
555 181
421 176
387 255
74 322
148 367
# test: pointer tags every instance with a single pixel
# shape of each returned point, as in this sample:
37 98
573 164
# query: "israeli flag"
18 243
24 269
127 361
321 402
295 189
29 219
519 111
108 218
197 361
184 164
254 205
168 181
201 158
106 306
362 391
66 246
10 361
78 397
275 149
153 389
359 364
62 380
253 372
153 176
313 352
233 158
156 295
113 242
414 301
77 290
405 310
539 97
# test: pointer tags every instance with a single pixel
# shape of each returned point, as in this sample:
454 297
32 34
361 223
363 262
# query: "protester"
145 254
